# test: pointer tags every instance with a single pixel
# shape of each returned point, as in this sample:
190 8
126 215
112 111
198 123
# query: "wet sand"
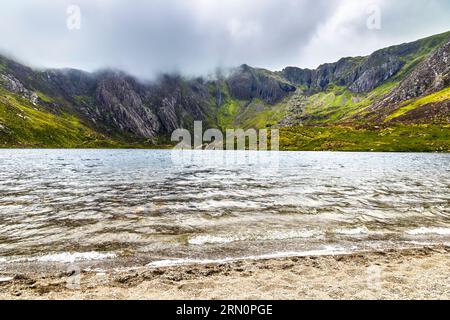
394 274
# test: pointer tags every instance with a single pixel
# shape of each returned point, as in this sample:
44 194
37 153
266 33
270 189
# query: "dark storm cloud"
196 36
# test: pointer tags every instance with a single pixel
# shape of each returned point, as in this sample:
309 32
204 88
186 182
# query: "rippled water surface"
92 204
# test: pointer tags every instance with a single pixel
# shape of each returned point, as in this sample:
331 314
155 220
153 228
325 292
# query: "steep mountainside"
429 81
407 84
363 74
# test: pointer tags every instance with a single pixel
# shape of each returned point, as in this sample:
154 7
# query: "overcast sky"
146 37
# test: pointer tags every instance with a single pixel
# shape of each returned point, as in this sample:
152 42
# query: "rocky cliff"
430 77
115 104
363 74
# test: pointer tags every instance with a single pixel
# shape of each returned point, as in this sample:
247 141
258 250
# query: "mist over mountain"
195 37
407 83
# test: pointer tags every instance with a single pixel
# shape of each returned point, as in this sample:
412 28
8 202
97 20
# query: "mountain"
422 96
403 88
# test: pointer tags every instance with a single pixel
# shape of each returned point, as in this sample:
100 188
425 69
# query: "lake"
167 207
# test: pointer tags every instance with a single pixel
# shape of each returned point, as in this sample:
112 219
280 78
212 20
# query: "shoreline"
402 138
420 273
160 148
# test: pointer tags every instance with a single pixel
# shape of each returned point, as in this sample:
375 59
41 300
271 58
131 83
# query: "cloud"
346 33
196 36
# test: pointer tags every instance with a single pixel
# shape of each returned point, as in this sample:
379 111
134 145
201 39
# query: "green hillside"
24 125
396 99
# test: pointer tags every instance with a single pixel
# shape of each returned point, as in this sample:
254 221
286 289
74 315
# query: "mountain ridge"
114 106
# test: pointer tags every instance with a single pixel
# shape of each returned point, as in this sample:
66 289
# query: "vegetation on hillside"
439 96
323 109
22 124
404 138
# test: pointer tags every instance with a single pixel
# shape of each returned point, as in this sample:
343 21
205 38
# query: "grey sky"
196 36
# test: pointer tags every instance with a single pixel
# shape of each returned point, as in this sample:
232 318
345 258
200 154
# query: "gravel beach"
422 273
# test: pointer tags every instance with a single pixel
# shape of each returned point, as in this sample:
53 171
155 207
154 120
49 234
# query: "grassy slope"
256 114
25 125
22 125
322 131
323 111
227 113
337 104
439 96
412 138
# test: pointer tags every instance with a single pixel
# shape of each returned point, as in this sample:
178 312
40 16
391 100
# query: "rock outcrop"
362 74
247 83
430 76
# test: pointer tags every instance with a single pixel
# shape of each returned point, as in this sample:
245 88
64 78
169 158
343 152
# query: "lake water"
164 207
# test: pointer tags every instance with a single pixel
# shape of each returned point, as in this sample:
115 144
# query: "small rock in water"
6 279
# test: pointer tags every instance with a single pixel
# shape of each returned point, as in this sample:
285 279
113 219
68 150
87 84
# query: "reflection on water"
213 204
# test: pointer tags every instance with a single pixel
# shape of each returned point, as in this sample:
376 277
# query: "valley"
396 99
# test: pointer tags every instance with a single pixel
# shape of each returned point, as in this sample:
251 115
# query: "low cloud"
196 36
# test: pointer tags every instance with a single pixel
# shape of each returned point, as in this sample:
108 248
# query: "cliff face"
430 76
122 104
361 74
247 83
428 79
113 102
377 69
117 104
342 73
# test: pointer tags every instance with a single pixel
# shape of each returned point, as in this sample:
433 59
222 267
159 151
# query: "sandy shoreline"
393 274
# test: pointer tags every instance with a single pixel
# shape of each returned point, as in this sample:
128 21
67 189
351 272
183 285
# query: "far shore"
422 273
168 147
